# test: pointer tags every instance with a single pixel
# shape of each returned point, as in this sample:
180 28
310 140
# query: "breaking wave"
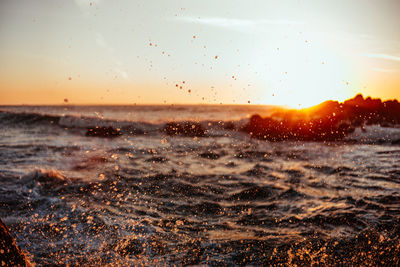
369 134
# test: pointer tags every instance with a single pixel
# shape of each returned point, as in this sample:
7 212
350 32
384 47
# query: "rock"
328 121
105 132
10 253
186 128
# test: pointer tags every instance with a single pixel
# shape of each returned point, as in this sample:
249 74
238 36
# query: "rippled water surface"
225 198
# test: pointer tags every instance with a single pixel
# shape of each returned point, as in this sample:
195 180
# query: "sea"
222 199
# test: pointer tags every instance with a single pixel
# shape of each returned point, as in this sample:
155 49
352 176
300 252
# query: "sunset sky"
295 53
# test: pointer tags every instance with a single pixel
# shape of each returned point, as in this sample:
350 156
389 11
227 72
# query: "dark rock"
10 253
105 132
328 121
186 128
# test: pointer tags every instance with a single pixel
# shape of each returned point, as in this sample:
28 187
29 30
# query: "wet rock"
326 129
10 253
329 121
104 132
189 129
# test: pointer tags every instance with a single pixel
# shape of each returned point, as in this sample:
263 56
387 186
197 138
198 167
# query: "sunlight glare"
308 75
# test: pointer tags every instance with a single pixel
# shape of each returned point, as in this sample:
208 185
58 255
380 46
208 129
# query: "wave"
375 134
133 217
186 128
70 121
45 176
94 126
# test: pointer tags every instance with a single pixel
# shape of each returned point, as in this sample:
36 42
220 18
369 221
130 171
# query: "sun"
304 95
306 76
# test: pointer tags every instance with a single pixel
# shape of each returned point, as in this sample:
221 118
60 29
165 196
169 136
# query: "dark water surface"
148 198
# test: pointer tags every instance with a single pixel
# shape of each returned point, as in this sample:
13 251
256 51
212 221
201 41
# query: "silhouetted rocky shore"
328 121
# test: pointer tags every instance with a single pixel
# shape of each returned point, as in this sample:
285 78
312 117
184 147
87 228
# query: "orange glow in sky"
291 53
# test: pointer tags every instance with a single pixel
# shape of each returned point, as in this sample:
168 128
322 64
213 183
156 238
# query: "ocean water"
224 199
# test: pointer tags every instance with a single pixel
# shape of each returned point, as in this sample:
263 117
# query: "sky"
296 53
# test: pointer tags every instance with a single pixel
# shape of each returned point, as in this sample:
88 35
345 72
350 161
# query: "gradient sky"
295 53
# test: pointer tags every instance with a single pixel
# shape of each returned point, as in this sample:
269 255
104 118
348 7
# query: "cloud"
383 56
234 23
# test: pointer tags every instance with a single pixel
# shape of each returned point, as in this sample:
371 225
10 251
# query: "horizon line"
188 104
